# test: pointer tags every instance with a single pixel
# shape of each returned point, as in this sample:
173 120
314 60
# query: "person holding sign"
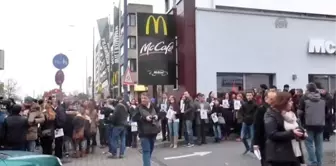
189 116
248 110
202 120
162 105
173 121
218 120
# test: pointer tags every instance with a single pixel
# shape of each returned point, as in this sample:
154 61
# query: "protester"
162 106
59 124
217 114
188 109
134 133
107 111
35 117
201 118
173 121
259 136
79 133
281 148
312 110
15 128
148 126
119 121
93 115
248 110
47 129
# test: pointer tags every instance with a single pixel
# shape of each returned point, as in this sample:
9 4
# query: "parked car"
22 158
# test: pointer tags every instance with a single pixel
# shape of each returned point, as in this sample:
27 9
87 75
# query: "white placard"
237 104
134 126
163 107
101 116
214 117
212 104
177 120
128 118
182 106
225 103
170 114
59 133
204 114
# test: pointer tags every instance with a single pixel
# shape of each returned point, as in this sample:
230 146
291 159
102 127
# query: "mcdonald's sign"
156 25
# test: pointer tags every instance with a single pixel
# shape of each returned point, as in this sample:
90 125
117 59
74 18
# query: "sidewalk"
132 158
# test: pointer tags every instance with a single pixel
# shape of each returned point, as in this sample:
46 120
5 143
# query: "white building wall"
239 43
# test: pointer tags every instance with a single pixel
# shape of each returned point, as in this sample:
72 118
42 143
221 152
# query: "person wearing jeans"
186 106
173 121
119 122
312 112
148 127
248 110
118 134
315 153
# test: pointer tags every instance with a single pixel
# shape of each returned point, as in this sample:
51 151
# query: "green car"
22 158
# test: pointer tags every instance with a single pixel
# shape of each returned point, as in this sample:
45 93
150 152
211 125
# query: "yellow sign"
115 78
156 22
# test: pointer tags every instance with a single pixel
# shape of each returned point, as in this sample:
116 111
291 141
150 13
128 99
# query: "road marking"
188 155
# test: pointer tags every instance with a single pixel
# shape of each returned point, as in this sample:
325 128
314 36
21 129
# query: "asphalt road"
227 153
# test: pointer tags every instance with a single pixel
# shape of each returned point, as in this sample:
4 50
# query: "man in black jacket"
248 111
15 128
119 120
59 124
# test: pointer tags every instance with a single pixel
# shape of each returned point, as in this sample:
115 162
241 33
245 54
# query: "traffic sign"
128 78
59 77
60 61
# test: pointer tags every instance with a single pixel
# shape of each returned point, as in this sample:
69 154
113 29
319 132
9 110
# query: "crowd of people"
272 122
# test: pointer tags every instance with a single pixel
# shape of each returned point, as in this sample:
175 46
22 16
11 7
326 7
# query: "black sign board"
156 49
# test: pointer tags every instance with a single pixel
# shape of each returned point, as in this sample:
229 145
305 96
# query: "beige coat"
35 117
94 121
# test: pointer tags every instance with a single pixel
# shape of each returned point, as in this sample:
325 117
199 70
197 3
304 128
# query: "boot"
83 153
77 154
175 141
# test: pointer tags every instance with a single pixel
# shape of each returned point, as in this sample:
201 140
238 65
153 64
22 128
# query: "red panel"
185 16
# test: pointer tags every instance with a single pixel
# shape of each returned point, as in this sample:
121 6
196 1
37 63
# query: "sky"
33 32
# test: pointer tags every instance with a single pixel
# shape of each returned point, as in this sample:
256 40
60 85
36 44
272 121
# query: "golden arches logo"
115 78
156 22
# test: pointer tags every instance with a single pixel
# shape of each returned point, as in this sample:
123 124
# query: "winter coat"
35 117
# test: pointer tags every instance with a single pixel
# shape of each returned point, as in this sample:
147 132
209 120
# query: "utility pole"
93 63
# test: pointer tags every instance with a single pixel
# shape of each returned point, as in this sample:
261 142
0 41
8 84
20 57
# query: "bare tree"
11 88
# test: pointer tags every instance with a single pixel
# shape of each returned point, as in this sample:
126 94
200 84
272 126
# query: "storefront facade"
246 48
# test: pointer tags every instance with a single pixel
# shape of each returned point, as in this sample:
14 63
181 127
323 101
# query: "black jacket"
146 128
278 144
119 117
189 110
15 128
107 111
60 117
259 137
248 111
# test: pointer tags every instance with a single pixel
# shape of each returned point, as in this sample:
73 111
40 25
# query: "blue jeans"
30 146
118 134
173 128
217 131
247 132
189 132
109 133
147 144
315 154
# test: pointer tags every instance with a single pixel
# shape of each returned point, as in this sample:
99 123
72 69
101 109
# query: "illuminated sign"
156 23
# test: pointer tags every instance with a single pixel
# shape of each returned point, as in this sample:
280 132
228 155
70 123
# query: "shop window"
131 42
132 65
320 80
131 19
226 81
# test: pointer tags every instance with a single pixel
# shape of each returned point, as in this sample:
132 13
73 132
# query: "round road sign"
60 61
59 77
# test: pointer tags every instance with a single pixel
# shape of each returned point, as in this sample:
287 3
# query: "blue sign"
60 61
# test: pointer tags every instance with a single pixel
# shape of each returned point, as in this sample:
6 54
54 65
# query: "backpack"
314 112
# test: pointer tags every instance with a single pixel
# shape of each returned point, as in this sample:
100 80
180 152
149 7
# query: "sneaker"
121 156
246 151
190 145
112 156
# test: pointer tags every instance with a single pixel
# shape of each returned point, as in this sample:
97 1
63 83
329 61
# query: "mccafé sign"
156 23
318 46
